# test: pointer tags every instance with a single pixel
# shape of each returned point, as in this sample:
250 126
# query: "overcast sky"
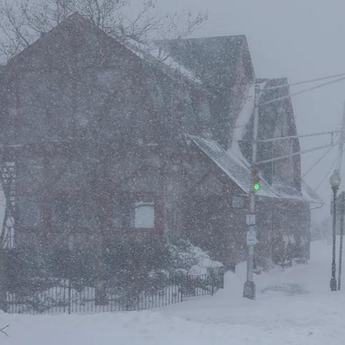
298 39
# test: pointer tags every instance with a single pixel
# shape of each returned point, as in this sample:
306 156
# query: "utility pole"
341 143
249 285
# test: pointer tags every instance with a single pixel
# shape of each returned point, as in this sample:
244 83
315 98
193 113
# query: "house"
101 138
284 205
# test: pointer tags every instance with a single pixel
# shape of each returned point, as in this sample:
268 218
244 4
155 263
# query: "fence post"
3 282
222 274
69 296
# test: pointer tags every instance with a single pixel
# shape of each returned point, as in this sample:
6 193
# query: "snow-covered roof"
245 113
232 166
287 192
238 169
307 193
310 195
155 54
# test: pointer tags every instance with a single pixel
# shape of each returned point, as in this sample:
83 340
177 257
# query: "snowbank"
311 315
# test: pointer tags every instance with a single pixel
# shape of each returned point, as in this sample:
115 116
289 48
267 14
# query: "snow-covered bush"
127 265
190 259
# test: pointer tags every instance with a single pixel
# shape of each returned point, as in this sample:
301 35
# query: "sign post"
251 219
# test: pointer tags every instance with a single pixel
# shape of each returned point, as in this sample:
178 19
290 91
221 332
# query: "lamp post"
342 211
335 181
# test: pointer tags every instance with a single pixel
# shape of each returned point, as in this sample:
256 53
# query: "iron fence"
52 296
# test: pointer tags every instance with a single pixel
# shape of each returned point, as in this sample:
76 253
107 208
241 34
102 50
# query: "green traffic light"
256 186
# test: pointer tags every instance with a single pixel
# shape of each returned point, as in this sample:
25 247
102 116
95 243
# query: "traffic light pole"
249 285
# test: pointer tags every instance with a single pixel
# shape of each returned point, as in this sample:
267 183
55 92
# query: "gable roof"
154 54
75 18
212 59
149 54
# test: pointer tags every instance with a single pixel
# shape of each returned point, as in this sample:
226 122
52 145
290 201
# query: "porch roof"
239 171
232 166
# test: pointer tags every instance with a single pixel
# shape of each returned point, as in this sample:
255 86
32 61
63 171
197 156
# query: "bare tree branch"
22 21
2 330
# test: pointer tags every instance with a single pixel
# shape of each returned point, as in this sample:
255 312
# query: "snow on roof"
238 169
307 193
241 124
310 195
151 50
287 192
244 117
231 166
245 113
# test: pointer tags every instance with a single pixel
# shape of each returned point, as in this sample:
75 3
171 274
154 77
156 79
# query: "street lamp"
335 181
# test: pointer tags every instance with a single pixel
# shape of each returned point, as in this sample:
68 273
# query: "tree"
23 21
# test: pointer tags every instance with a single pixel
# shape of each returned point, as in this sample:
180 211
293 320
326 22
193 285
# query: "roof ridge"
57 27
134 46
204 37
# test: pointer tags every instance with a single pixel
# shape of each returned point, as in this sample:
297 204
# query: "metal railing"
51 296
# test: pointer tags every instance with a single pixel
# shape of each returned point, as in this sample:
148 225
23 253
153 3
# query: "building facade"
101 138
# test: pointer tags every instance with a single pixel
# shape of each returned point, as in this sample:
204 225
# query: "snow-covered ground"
293 306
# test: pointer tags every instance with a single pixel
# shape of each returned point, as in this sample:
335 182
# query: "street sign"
250 219
251 238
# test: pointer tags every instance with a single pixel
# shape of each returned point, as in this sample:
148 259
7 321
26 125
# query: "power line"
303 91
322 181
317 162
296 83
298 136
299 153
305 82
299 83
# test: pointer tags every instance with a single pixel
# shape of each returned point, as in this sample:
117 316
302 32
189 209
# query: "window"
144 214
133 213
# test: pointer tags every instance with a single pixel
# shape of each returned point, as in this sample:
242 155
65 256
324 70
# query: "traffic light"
255 179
